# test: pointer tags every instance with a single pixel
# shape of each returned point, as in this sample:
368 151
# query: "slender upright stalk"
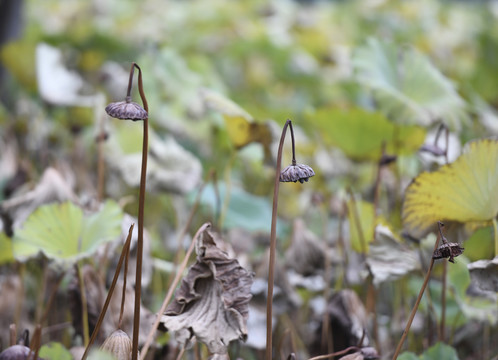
124 253
125 276
84 307
442 325
273 237
415 307
12 334
141 207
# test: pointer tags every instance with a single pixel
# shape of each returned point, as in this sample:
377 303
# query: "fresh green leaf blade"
62 232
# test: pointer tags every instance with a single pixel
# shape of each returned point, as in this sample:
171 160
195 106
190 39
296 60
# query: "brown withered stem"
128 110
273 241
141 207
84 305
12 334
124 254
171 289
302 173
125 275
35 343
417 302
337 353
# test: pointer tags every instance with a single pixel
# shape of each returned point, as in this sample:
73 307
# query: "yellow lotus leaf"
241 127
464 191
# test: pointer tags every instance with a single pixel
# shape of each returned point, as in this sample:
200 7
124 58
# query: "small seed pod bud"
297 172
448 250
126 110
432 149
15 352
118 344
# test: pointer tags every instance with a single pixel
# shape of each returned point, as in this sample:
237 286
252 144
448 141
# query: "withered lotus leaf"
211 304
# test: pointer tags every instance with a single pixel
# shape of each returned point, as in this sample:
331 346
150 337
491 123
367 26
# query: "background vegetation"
359 79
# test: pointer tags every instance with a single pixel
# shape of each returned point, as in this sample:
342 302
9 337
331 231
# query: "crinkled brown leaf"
211 304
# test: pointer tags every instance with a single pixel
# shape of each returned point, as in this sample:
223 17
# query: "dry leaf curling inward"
465 190
212 301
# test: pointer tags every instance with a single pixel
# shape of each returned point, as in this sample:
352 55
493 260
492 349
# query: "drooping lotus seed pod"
126 110
15 352
296 172
118 344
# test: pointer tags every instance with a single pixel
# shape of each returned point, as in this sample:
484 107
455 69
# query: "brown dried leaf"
212 301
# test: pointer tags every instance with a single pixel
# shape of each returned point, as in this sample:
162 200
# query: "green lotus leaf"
406 86
360 133
64 232
6 254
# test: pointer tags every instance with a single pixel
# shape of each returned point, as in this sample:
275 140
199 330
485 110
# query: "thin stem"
84 308
442 325
338 353
13 334
51 298
130 81
195 206
123 293
495 229
100 167
440 226
180 353
124 251
356 216
293 144
273 244
36 342
415 307
141 207
171 289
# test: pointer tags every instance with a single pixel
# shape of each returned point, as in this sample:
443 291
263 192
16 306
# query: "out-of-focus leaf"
440 351
244 210
407 86
241 126
361 225
408 356
52 187
6 254
474 305
55 350
480 244
388 259
58 85
19 58
458 276
360 134
484 274
63 232
212 301
465 190
170 167
306 254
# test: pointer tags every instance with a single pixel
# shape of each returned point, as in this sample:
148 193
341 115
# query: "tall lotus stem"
128 110
295 172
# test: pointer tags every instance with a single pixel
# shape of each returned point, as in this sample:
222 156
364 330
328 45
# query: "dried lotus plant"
211 304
